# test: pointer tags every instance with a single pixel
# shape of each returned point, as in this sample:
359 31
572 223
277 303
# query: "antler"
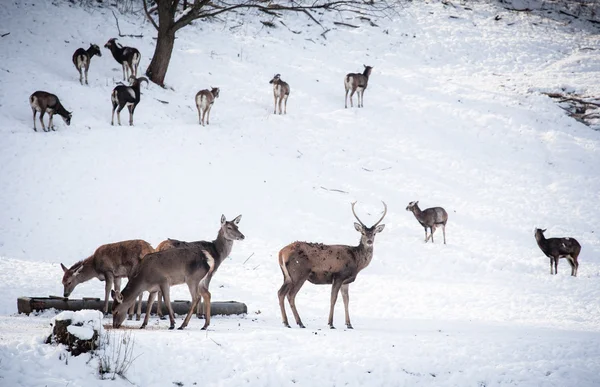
384 213
356 216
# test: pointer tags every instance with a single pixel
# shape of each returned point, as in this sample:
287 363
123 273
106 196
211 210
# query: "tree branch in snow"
149 16
121 35
3 35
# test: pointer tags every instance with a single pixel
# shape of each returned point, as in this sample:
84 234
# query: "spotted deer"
355 82
321 264
281 92
109 263
193 266
556 248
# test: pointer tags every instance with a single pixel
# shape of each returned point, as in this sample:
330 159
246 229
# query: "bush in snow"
115 354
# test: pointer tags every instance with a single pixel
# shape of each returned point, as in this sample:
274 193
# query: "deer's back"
121 258
564 246
436 215
175 265
322 258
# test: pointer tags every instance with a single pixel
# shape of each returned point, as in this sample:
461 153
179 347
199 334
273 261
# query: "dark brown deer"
193 266
129 96
82 59
357 82
109 263
128 57
44 102
556 248
321 264
430 218
281 92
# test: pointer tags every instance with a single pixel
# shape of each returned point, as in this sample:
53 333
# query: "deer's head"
412 206
70 279
94 49
119 311
230 230
368 233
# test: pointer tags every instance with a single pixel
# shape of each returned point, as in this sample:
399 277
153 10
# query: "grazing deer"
325 264
127 57
430 218
281 92
82 59
44 102
193 266
556 248
109 263
129 96
204 102
357 82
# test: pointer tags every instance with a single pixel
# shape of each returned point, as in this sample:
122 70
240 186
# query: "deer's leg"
138 313
292 298
346 99
444 231
426 237
208 115
119 114
50 122
130 108
151 298
203 115
551 268
285 104
193 287
346 298
283 291
280 101
199 116
112 117
86 75
351 94
335 289
123 64
107 286
79 69
359 97
34 113
274 103
165 289
42 120
159 306
206 296
576 266
200 308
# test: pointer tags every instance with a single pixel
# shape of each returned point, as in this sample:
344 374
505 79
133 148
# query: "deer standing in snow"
128 57
321 264
204 102
44 102
355 82
281 92
82 59
193 266
109 263
430 218
556 248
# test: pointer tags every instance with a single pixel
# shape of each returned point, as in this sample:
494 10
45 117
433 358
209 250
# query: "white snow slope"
453 117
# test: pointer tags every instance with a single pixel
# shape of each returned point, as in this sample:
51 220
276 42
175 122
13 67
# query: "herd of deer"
176 262
129 95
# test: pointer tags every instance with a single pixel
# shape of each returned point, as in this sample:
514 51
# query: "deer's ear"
357 227
380 228
223 220
237 219
544 230
64 268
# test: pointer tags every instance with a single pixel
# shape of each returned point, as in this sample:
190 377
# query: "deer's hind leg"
284 290
346 298
335 289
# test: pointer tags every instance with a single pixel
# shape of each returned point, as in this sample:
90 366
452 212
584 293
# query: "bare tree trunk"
157 70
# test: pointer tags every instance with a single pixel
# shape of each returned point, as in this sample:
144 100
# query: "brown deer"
281 92
429 218
205 100
193 266
556 248
357 82
109 263
325 264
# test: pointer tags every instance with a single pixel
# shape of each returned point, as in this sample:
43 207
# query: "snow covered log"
79 331
31 304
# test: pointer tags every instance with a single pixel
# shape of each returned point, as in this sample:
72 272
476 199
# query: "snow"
454 117
83 322
82 333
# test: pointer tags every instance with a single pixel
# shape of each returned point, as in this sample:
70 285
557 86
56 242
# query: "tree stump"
64 332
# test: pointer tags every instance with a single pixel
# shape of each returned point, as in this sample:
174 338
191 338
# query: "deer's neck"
223 246
364 254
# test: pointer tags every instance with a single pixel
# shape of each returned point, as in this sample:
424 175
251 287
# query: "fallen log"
29 305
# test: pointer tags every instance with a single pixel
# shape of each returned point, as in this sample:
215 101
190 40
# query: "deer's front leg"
109 284
335 289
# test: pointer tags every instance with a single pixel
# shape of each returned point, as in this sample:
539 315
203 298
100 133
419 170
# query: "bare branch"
121 35
148 15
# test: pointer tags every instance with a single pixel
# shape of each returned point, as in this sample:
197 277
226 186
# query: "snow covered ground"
452 118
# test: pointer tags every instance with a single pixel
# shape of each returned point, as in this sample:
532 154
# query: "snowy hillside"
452 118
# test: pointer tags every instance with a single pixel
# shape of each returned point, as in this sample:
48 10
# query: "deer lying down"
556 248
321 264
109 263
193 266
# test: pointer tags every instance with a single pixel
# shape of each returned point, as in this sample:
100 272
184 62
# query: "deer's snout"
369 242
242 237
